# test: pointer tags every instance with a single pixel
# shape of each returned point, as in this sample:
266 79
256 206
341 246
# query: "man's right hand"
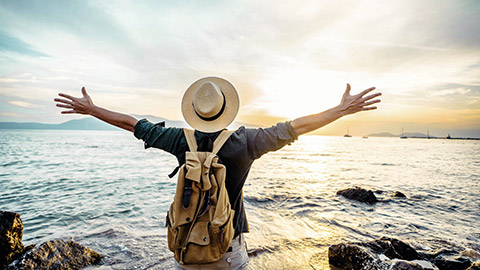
83 105
351 104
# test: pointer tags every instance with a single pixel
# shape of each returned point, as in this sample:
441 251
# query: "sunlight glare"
297 92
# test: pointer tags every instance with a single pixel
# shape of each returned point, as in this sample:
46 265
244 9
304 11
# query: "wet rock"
474 266
451 256
57 254
389 253
452 263
398 194
382 253
11 233
358 194
352 256
404 265
393 248
471 254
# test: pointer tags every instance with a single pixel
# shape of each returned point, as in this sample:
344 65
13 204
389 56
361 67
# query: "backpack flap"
199 234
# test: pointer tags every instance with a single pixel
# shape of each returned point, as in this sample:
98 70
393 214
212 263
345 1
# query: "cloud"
139 57
12 44
447 92
24 104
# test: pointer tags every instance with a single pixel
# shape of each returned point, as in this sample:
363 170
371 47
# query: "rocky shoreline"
393 254
382 253
55 254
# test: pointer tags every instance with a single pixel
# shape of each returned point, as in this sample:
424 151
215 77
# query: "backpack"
200 219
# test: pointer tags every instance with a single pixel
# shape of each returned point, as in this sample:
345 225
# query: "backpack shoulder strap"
220 141
191 141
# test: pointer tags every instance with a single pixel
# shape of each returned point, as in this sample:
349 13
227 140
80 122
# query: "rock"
11 233
57 254
404 265
352 256
358 194
392 254
474 266
399 194
384 253
471 254
393 248
452 263
450 257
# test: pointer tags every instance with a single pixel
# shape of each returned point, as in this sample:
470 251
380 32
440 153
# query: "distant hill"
92 123
382 134
411 135
89 123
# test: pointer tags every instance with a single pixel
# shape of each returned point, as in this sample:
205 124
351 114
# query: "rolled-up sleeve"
263 140
158 136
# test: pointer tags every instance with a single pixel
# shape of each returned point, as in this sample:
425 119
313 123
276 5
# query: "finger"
368 108
84 92
347 90
66 96
65 112
62 100
366 91
65 106
371 102
371 96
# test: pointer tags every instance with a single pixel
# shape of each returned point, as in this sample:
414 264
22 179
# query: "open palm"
82 105
355 103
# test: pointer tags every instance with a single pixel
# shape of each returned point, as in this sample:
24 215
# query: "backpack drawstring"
184 248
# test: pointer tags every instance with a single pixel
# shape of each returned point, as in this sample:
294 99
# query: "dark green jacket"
238 153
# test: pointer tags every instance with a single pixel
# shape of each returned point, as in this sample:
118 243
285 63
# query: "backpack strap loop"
187 193
220 140
191 141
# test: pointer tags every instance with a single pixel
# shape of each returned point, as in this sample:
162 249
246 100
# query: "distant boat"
348 134
365 137
403 135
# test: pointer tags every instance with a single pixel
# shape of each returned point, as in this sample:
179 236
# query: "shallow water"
102 189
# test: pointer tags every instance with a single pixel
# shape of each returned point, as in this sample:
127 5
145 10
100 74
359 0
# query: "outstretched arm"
84 105
349 105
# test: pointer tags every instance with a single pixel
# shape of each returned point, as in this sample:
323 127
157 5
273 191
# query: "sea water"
103 190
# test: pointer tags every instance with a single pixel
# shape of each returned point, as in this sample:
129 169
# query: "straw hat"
210 104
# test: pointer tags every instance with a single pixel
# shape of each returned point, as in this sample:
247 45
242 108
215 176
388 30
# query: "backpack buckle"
187 193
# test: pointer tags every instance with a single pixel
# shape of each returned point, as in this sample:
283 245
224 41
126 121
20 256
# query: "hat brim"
232 104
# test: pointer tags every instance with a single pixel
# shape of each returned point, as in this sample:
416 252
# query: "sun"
292 93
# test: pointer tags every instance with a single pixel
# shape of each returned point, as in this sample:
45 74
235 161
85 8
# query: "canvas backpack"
200 219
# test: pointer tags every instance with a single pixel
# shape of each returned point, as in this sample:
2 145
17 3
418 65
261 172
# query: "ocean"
104 190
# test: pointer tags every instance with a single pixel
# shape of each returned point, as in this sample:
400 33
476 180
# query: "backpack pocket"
200 235
222 235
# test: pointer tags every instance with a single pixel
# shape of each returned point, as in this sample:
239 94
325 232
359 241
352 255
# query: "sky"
285 58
